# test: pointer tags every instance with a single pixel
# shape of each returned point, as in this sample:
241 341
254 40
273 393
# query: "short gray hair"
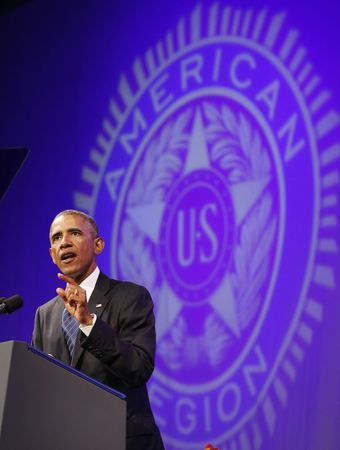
74 212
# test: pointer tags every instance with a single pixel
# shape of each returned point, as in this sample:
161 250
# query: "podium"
45 404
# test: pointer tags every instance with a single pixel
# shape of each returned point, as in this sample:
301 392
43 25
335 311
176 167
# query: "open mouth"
69 256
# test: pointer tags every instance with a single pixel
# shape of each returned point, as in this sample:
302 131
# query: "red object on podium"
210 447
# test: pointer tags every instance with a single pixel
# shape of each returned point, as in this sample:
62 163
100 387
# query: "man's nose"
65 242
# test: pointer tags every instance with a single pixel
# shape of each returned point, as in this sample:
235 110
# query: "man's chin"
76 275
69 272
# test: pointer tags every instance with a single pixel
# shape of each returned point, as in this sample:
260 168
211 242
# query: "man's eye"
55 238
75 233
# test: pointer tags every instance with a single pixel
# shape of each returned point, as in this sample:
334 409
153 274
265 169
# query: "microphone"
10 304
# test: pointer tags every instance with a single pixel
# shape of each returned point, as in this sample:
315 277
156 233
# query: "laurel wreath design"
161 165
182 349
236 147
135 261
252 259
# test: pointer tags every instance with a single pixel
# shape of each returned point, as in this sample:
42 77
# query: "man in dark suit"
113 337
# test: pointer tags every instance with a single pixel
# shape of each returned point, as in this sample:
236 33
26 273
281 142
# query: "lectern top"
76 372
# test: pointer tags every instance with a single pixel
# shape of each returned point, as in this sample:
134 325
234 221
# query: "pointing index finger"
67 279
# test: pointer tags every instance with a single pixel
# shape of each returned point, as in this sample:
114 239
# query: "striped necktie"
70 325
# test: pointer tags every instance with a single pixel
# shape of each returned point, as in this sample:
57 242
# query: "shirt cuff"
86 329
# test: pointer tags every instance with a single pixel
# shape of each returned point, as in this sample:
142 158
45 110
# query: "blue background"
60 64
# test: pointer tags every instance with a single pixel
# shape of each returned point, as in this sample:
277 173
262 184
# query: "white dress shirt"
89 284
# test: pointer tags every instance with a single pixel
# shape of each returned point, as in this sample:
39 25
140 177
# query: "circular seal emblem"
194 198
209 187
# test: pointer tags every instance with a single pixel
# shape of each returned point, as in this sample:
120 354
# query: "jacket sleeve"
37 336
125 343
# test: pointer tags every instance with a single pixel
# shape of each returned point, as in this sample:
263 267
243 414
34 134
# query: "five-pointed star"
149 218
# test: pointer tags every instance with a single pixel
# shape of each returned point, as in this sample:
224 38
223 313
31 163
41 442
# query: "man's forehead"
68 221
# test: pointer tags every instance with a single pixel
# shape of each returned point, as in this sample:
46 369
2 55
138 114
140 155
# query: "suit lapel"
97 304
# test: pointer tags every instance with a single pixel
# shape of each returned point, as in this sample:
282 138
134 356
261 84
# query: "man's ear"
51 255
99 245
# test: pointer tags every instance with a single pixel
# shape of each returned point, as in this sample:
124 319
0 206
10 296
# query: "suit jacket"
119 351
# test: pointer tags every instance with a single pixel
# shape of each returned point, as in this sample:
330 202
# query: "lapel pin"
99 305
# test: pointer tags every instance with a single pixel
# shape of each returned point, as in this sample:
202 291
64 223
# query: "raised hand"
75 300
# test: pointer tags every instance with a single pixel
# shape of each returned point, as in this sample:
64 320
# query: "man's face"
74 247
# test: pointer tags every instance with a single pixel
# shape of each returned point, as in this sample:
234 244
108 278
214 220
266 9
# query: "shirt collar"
90 282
